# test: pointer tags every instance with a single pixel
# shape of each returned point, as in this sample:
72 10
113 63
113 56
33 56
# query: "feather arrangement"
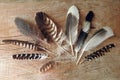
27 56
84 32
52 33
72 23
100 36
99 52
48 27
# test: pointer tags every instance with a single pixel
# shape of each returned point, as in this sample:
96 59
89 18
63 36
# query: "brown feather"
48 27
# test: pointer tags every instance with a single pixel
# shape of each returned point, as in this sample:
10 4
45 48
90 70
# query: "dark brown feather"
48 27
25 44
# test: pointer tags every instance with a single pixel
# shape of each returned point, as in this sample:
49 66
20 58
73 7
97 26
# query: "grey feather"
100 36
72 23
23 27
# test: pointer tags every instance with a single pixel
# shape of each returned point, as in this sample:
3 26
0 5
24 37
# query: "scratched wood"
107 13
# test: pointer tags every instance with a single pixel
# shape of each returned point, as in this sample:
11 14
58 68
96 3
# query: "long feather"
84 32
30 56
48 27
72 23
100 36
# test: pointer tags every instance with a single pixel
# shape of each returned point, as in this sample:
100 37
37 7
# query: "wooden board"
107 13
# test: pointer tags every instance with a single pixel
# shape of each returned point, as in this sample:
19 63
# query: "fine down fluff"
100 36
72 23
84 32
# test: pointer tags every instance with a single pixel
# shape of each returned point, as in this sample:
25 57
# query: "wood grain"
107 13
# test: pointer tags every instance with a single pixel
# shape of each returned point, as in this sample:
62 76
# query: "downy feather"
72 23
26 29
100 36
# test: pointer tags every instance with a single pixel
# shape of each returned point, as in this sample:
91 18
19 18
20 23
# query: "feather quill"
84 32
100 36
72 23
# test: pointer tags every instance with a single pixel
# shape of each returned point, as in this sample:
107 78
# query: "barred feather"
25 44
30 56
48 27
99 52
49 65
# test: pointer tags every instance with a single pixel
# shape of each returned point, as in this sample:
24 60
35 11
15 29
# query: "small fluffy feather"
24 27
100 36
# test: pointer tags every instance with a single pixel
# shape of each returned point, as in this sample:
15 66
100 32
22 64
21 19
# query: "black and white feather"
100 36
29 56
72 24
99 52
84 32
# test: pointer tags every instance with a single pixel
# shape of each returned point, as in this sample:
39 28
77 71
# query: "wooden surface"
107 13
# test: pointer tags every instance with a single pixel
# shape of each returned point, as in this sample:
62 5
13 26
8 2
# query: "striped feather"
27 56
48 27
25 44
47 66
99 52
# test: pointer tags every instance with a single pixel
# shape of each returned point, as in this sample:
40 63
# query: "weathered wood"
107 13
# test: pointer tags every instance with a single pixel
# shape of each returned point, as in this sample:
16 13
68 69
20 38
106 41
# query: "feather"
100 52
25 44
48 27
72 23
25 28
27 56
84 32
47 66
100 36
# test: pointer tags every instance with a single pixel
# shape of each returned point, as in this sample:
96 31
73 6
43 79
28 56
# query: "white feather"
74 32
97 39
72 23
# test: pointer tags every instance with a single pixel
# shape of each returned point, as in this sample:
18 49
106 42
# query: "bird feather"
100 36
72 23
